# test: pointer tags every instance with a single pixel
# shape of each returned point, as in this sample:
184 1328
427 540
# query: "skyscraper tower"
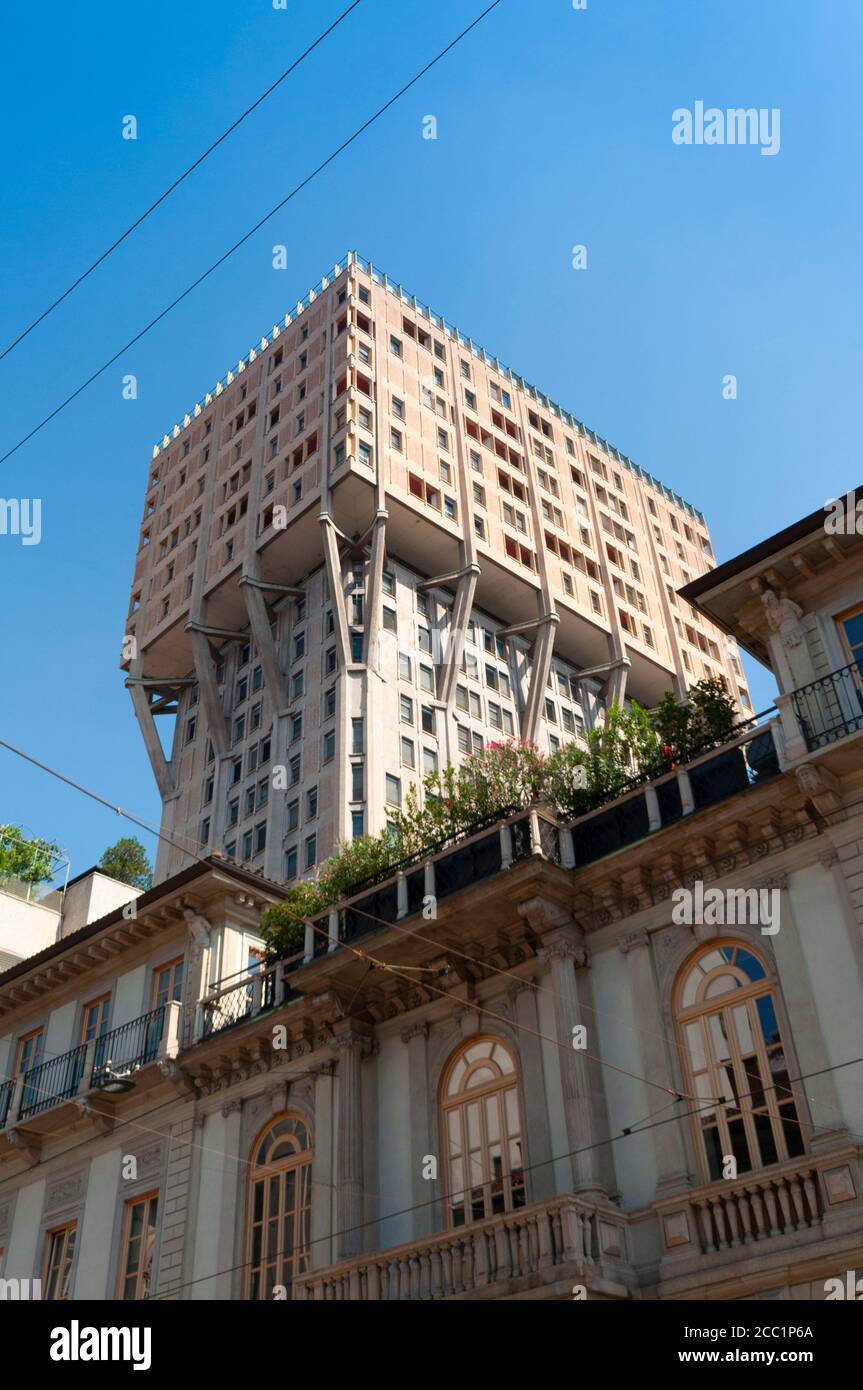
370 550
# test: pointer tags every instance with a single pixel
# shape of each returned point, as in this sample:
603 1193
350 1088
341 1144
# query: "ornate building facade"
619 1060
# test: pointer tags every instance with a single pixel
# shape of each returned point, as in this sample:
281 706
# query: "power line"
638 1127
176 184
250 233
118 810
373 960
625 1133
364 955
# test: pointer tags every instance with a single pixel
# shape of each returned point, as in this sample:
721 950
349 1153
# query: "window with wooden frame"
57 1266
27 1058
481 1124
279 1206
30 1049
850 626
726 1013
94 1018
168 983
138 1247
94 1024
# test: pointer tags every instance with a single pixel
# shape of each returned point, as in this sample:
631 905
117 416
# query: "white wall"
129 1002
60 1033
21 1256
97 1227
25 929
93 897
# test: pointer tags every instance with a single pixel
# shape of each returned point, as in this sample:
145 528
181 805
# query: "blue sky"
554 129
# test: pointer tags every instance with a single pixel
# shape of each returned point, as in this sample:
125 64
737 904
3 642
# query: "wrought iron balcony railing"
241 997
119 1052
831 707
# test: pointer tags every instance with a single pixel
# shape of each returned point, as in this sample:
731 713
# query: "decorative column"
565 954
522 1004
414 1036
323 1168
351 1047
668 1146
820 1088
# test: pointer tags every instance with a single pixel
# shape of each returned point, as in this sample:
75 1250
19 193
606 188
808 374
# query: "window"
291 863
138 1248
356 781
426 678
311 851
481 1132
167 983
329 745
279 1206
94 1024
851 627
357 736
393 791
59 1253
428 719
404 666
726 1014
389 619
311 803
429 761
29 1056
408 753
293 816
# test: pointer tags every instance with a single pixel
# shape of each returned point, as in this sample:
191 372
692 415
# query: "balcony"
795 1205
122 1052
237 998
545 1248
830 708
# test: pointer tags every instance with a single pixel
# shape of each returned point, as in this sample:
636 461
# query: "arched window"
727 1015
279 1206
482 1132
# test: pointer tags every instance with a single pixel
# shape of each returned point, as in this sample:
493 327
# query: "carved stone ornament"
820 786
199 927
783 617
632 941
